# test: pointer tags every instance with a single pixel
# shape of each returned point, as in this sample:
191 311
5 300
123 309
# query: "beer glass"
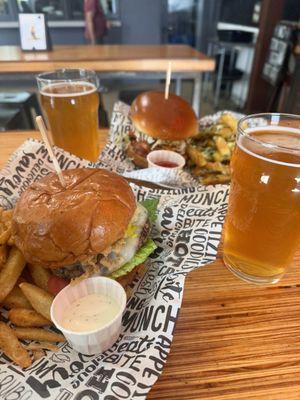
262 227
70 102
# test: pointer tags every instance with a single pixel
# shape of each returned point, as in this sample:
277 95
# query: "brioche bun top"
166 119
55 226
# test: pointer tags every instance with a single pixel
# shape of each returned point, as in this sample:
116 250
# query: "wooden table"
233 341
128 58
123 59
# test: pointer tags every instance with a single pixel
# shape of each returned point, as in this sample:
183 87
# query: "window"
4 7
53 8
110 8
77 9
64 10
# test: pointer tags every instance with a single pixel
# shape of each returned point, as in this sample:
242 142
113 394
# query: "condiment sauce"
89 313
166 164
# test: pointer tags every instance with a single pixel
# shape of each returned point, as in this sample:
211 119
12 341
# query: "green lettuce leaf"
151 207
140 256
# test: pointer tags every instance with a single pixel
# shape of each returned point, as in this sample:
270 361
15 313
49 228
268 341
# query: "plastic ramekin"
158 156
99 340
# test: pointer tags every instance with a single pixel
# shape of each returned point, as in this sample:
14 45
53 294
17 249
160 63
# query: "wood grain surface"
106 58
9 141
233 341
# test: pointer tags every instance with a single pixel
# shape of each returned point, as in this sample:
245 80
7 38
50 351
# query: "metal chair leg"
219 77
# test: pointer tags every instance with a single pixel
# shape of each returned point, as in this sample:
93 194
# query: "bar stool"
224 73
25 102
10 119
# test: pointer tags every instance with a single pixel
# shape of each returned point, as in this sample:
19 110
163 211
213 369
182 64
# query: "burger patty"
77 269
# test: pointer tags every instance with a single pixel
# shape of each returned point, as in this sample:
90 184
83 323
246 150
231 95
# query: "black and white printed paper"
187 234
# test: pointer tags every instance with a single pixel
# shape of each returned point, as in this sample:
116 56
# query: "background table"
116 60
233 341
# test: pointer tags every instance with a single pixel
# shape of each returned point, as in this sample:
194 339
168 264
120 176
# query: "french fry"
215 179
225 132
38 354
5 234
5 226
11 346
7 215
218 167
3 254
41 345
39 299
40 276
196 156
16 299
11 241
229 120
27 318
39 334
222 147
10 272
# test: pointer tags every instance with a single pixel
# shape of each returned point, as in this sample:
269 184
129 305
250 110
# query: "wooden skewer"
41 125
168 80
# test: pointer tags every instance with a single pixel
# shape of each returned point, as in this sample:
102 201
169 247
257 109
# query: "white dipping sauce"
89 313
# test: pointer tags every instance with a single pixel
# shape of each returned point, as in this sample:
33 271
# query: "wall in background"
143 21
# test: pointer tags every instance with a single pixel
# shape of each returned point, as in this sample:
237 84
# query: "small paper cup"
99 340
159 156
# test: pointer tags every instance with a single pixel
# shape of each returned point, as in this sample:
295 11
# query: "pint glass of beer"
262 228
70 102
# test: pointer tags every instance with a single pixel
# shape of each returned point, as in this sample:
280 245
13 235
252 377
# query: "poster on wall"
34 33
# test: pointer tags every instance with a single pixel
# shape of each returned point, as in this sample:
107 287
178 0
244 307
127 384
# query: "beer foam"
285 144
52 86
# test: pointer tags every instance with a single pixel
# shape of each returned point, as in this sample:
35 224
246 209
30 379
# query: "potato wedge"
41 345
5 234
11 346
16 299
3 254
7 215
11 241
10 272
38 354
39 334
39 299
27 318
40 276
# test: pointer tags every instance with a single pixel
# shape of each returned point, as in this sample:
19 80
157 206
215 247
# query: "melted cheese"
123 250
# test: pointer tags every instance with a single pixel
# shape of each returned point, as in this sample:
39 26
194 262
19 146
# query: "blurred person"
96 25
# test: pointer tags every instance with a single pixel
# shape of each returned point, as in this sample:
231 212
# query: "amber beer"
262 229
70 102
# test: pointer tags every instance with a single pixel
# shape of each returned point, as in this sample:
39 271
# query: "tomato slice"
56 284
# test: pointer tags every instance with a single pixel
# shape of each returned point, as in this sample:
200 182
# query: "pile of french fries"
24 293
209 152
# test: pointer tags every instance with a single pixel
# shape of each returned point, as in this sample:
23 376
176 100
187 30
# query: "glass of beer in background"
70 102
262 228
